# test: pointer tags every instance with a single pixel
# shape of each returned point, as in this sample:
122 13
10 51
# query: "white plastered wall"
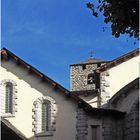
118 77
23 116
29 88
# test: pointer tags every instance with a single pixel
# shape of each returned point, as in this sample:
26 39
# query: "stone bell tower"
84 81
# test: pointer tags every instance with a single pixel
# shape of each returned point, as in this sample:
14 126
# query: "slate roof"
91 60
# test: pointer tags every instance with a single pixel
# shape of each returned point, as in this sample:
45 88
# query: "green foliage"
122 14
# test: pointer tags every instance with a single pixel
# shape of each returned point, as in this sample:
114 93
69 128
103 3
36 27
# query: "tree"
122 14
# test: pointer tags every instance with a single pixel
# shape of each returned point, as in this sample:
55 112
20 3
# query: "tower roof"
91 60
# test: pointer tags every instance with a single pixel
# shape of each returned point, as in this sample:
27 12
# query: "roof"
100 112
85 92
90 61
6 55
5 123
118 60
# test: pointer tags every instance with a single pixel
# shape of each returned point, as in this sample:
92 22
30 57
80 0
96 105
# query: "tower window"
90 78
83 67
9 98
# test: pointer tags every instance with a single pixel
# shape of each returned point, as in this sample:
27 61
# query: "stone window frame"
3 96
37 116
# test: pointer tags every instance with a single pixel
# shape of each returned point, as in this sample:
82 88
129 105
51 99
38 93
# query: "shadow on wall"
32 79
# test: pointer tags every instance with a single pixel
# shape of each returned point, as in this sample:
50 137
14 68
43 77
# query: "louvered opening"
9 98
46 111
91 78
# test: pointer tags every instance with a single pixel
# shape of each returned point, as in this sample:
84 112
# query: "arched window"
8 97
90 78
45 110
46 114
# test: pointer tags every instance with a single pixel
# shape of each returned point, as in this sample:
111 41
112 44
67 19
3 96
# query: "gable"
30 88
6 55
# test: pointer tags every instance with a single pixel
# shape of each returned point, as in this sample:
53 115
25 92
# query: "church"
102 104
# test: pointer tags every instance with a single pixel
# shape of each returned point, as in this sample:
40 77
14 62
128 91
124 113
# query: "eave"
118 60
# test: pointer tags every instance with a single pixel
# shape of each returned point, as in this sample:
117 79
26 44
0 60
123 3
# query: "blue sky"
52 34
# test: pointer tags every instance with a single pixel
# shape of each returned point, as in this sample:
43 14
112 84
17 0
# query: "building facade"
33 103
84 80
96 81
35 107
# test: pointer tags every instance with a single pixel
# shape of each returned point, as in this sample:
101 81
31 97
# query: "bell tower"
82 75
84 81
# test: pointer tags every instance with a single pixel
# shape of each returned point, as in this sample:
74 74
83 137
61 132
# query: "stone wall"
108 127
79 75
104 84
81 125
112 129
132 123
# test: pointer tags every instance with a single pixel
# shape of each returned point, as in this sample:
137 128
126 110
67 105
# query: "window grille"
46 114
9 98
45 110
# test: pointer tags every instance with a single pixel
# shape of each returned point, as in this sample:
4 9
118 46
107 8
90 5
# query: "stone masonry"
79 77
112 129
81 125
132 123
